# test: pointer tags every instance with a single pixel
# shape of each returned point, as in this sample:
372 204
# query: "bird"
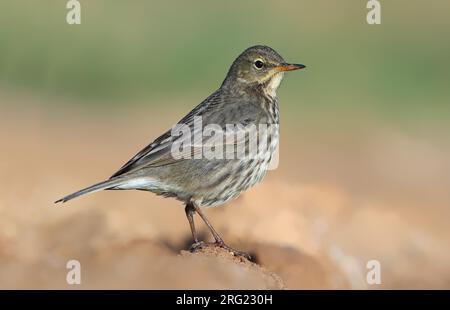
246 98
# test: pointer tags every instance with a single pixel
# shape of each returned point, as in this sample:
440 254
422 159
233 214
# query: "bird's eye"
258 64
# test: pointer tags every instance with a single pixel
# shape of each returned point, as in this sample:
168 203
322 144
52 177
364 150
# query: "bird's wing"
219 109
158 153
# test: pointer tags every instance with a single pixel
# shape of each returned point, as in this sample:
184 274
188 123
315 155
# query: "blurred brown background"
364 159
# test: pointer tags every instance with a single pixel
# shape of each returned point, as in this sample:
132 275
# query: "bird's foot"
197 246
223 245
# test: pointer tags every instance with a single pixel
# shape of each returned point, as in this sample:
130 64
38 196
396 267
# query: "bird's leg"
217 238
189 209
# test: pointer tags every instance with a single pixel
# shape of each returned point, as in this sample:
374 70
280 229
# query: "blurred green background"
142 51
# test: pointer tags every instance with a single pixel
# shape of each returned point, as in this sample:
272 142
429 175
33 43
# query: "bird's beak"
289 67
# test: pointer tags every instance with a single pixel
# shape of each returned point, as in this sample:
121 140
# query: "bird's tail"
92 189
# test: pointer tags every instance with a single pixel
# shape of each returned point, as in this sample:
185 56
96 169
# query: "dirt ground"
342 196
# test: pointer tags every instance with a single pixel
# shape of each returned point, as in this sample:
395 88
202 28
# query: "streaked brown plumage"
247 96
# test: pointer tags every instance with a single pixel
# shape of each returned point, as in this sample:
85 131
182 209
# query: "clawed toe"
196 246
235 252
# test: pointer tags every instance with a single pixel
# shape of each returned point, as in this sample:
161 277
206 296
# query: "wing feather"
158 152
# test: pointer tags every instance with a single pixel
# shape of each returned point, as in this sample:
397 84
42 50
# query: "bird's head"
258 65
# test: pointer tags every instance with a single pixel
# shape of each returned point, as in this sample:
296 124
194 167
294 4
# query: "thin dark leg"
217 238
189 209
210 227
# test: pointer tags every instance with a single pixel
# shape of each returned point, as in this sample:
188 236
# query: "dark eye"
259 64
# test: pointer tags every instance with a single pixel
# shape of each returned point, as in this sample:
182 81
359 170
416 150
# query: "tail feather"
92 189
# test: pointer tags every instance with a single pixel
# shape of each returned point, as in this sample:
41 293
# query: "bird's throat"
271 86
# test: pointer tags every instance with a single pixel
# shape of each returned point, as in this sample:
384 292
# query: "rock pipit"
245 101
